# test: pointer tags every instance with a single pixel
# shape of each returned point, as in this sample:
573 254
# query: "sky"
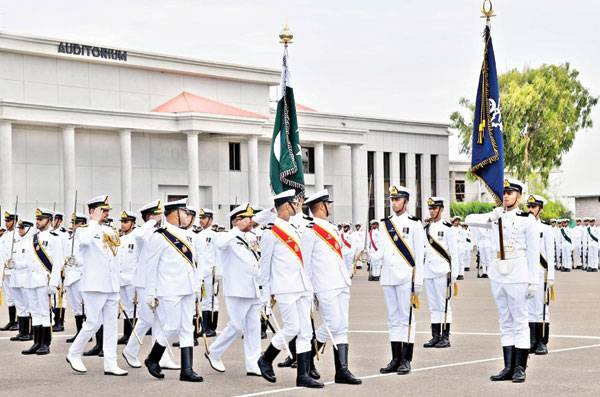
405 59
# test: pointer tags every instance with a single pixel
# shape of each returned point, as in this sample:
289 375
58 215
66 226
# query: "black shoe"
290 362
484 276
97 349
153 359
435 333
395 362
467 269
214 320
78 323
445 339
520 365
126 333
187 374
12 324
37 330
59 320
541 349
509 365
342 373
406 355
44 342
265 363
303 378
28 330
460 277
315 346
23 332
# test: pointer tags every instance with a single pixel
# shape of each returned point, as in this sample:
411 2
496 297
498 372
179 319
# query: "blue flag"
487 161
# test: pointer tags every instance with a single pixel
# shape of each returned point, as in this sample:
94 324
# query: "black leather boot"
78 325
342 373
187 373
435 334
23 332
445 339
28 329
314 346
303 378
509 365
97 349
263 328
265 363
541 349
46 338
290 362
406 355
520 365
213 318
206 322
12 324
36 341
59 320
393 365
532 337
154 358
126 333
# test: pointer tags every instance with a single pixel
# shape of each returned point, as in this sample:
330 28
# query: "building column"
126 170
6 170
358 187
193 169
68 138
319 167
395 168
378 186
411 182
253 187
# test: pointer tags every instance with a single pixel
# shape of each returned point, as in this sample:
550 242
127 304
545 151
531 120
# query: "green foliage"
542 110
554 209
472 207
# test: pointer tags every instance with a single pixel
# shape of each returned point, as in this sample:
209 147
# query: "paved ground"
572 367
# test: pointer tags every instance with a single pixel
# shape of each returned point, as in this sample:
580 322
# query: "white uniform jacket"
100 266
441 235
240 264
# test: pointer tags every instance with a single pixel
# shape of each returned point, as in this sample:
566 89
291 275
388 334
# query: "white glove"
10 264
418 289
70 261
496 214
151 301
198 294
265 297
52 290
531 290
550 283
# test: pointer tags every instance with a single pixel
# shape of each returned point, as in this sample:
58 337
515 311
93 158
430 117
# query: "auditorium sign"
91 51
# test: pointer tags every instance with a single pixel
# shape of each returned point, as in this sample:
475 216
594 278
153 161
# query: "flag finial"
487 9
286 36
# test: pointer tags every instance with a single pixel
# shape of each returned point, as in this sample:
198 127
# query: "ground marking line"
366 331
263 393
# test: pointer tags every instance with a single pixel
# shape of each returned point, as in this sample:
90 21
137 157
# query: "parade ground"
570 368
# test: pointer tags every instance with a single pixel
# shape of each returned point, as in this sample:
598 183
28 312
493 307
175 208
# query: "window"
418 184
402 169
386 182
175 197
434 174
459 189
370 178
308 160
234 156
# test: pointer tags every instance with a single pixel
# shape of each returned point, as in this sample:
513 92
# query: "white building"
141 126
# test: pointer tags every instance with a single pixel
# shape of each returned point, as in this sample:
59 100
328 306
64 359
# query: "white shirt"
240 264
435 264
52 245
128 257
546 249
100 265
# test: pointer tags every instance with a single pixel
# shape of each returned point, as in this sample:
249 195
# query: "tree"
542 110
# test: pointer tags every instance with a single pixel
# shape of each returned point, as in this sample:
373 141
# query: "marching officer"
10 221
241 291
402 254
208 271
73 273
461 241
441 270
373 246
282 274
128 258
98 247
593 245
514 276
539 316
566 246
171 290
324 265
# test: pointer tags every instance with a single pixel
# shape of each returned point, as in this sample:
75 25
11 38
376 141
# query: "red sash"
328 238
289 242
371 238
346 243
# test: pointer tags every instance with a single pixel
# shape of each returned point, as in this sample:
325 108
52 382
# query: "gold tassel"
552 294
202 291
1 297
415 301
455 288
481 129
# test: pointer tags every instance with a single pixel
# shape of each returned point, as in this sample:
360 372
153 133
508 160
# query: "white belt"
516 254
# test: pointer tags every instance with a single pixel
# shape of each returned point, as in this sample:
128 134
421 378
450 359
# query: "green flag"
286 154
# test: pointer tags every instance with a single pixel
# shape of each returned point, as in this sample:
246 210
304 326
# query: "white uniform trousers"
593 256
207 300
535 306
127 293
101 308
8 291
567 261
485 258
145 320
244 319
397 300
511 300
376 268
295 321
20 301
75 298
436 289
38 304
175 315
334 306
577 255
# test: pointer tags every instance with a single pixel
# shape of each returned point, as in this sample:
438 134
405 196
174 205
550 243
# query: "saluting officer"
282 274
324 265
98 246
441 270
402 254
241 291
514 276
